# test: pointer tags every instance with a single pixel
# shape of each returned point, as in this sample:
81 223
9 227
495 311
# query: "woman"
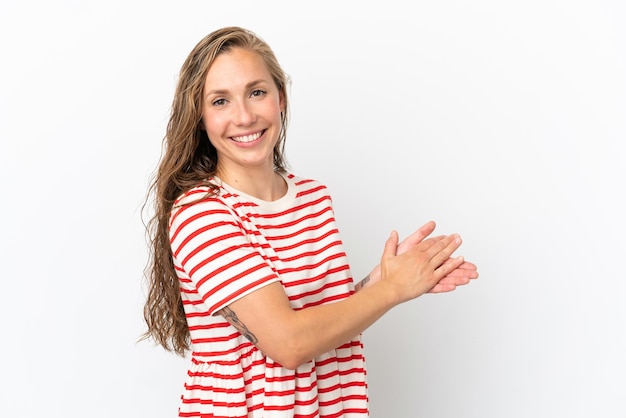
248 271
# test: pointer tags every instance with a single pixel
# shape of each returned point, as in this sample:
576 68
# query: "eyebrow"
248 86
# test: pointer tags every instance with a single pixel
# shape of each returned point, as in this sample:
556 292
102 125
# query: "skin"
241 100
458 277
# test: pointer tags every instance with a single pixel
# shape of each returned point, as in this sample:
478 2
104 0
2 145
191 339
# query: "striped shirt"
230 244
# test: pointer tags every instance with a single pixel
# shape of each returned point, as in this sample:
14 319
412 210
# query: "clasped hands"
447 272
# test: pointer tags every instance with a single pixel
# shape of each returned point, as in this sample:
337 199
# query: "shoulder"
202 199
207 193
306 185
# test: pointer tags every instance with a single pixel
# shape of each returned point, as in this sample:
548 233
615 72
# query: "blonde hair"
188 160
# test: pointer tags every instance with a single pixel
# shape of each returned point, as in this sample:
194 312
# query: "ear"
201 124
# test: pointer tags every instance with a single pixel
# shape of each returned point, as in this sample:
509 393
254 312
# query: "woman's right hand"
462 275
418 269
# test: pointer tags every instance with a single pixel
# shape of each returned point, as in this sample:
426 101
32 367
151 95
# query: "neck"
264 184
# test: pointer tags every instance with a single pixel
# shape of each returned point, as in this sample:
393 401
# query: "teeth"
247 138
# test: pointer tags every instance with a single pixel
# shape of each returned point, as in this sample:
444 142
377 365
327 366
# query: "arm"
360 285
292 337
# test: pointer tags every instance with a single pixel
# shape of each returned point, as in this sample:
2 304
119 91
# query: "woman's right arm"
292 337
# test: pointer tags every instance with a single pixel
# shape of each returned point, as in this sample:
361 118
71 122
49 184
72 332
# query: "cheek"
273 112
212 125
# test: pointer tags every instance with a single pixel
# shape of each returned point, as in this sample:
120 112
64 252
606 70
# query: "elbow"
291 362
291 342
289 355
287 363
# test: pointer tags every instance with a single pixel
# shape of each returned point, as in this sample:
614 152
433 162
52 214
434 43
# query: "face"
241 112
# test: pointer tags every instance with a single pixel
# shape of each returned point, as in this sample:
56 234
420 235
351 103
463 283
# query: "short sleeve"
215 252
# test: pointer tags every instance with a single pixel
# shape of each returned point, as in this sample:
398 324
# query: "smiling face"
241 112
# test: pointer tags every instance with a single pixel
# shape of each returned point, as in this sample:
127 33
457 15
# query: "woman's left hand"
462 275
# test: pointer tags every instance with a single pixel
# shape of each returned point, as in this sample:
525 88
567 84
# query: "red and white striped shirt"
231 244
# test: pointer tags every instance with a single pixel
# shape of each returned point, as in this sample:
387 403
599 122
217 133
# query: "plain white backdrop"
503 121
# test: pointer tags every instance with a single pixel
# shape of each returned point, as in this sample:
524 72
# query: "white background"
503 121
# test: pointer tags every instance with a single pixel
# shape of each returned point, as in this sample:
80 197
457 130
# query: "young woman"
248 271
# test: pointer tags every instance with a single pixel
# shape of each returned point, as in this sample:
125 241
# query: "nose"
244 114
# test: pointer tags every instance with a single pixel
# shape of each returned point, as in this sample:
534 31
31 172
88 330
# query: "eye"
258 93
218 102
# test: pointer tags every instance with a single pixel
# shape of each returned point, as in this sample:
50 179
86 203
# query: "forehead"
236 67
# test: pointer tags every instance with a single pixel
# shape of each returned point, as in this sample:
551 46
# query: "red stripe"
209 326
200 231
318 277
309 191
295 221
311 415
240 347
301 231
310 240
216 339
250 352
241 291
292 209
197 314
195 217
228 266
327 286
312 266
316 252
208 243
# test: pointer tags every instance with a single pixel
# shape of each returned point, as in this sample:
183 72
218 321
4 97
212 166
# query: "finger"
416 237
455 280
429 242
461 271
447 267
442 288
441 251
390 245
468 266
460 276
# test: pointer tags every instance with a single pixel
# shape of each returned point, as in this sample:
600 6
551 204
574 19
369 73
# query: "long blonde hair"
188 160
